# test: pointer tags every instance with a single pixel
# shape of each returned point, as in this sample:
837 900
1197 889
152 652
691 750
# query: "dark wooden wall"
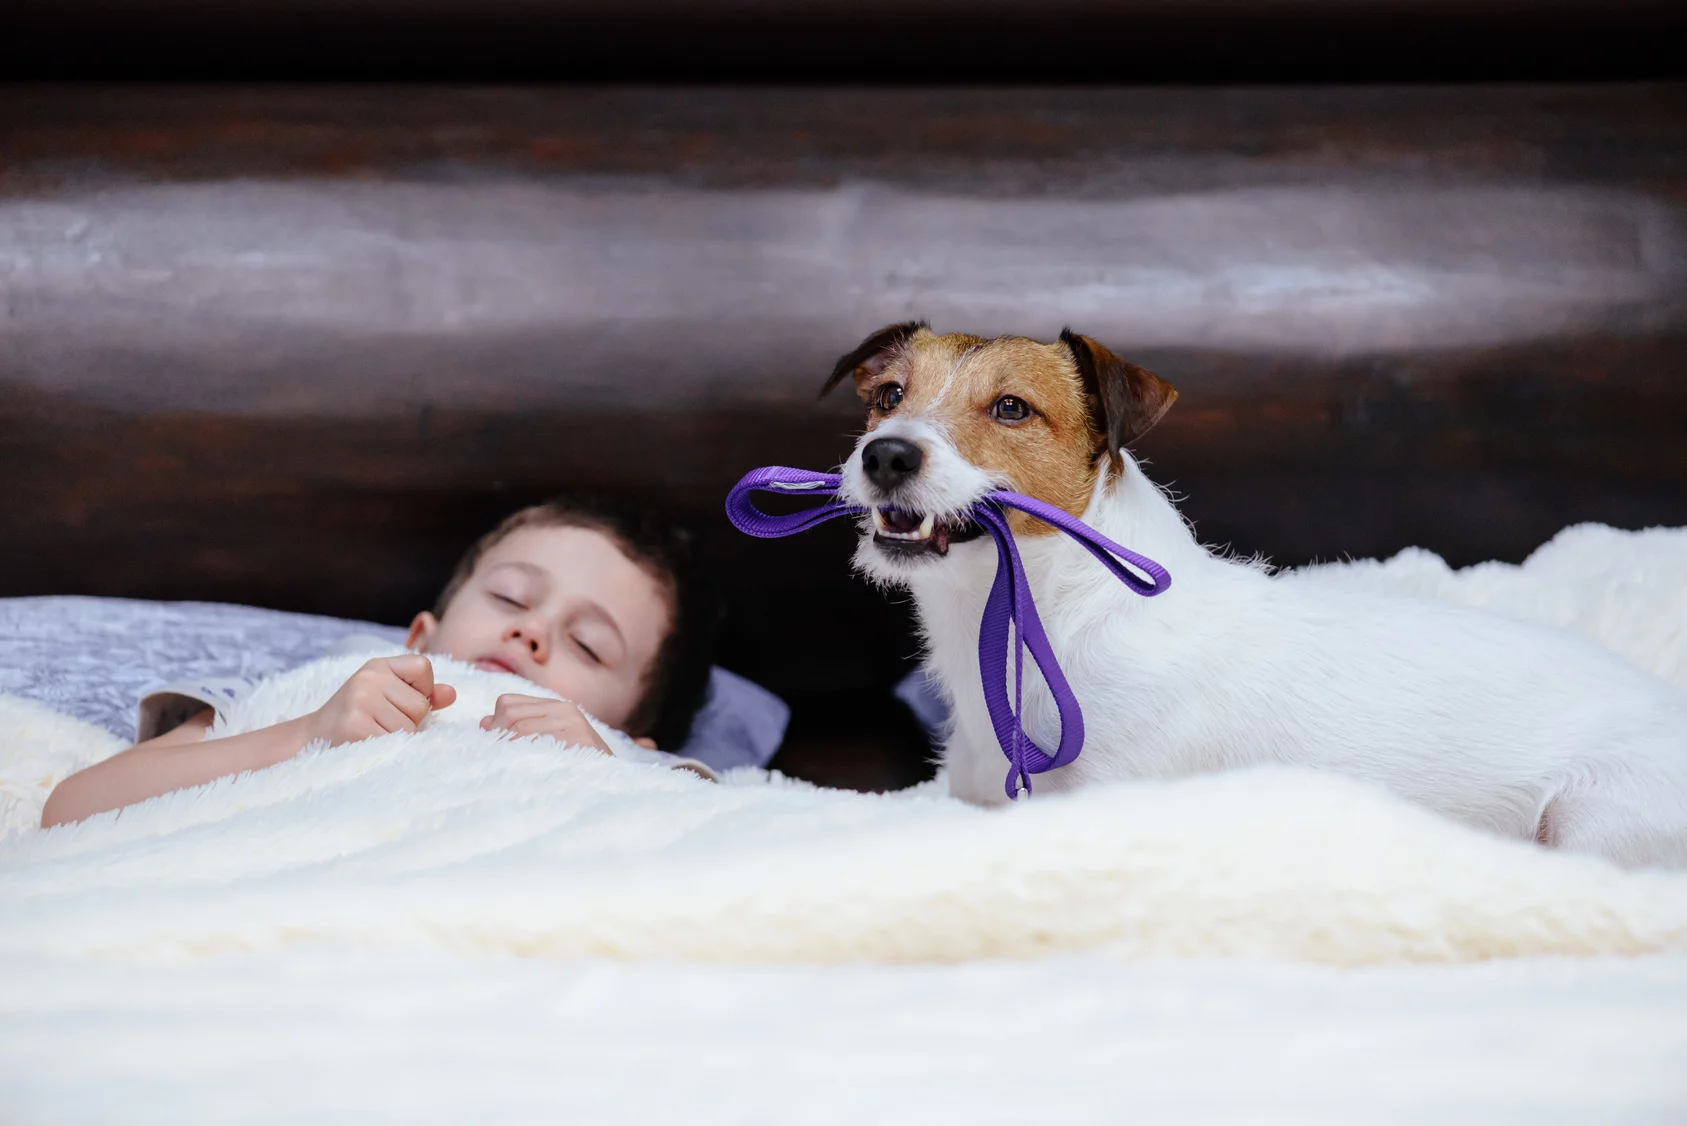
297 346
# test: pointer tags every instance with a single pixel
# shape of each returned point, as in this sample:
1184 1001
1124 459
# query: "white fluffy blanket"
1625 590
450 851
468 840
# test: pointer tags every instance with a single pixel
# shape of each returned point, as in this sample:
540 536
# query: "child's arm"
173 761
386 695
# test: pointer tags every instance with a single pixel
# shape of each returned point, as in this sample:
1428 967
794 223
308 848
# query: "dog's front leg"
976 767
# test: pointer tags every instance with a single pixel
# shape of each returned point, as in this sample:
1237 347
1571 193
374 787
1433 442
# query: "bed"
450 924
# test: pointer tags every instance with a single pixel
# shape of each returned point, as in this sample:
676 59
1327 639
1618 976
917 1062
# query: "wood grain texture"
298 346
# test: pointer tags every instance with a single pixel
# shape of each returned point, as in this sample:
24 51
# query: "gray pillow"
93 658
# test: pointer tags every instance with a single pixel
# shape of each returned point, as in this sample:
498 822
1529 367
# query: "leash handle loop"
747 518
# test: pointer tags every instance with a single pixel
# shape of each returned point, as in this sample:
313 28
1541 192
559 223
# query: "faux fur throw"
305 689
462 840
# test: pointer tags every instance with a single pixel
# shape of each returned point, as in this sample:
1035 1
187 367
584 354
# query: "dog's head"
951 418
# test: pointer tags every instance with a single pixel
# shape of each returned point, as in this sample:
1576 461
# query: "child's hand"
386 695
541 715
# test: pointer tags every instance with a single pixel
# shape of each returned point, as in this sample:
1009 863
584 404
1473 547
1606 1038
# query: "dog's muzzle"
891 465
902 533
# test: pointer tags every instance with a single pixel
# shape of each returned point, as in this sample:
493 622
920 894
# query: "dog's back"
1525 730
1520 728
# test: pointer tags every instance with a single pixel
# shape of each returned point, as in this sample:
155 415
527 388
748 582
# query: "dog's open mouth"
904 532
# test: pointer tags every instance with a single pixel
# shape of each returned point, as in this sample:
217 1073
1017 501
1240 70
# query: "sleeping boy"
588 600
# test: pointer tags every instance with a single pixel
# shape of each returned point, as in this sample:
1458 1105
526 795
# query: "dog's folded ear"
1128 400
870 356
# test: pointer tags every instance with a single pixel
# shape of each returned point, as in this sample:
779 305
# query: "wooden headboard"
298 346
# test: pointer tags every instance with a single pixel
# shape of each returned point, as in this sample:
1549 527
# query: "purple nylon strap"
1009 606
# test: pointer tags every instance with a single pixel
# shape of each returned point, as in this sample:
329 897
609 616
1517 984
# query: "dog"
1518 729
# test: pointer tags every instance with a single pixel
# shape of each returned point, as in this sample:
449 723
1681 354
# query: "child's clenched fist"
386 695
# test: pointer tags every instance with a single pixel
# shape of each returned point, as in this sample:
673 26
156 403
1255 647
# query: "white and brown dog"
1523 730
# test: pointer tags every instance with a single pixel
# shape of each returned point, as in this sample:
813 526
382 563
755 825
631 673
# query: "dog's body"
1523 730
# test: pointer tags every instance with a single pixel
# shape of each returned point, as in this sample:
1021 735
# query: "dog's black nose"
890 461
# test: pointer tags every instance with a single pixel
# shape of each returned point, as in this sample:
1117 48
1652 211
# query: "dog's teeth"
885 529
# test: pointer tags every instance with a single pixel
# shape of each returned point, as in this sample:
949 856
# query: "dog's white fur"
1524 730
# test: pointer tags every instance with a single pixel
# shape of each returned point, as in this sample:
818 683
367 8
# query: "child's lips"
496 664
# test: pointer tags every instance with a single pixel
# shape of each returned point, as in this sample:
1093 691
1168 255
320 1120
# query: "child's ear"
421 630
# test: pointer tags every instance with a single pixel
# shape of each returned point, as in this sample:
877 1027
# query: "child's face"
562 607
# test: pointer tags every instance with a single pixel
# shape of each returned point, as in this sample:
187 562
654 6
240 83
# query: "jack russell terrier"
1520 729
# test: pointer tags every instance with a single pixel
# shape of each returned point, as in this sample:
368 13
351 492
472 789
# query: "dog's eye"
1010 409
888 396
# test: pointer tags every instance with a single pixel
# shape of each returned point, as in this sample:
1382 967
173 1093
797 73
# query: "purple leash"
1009 604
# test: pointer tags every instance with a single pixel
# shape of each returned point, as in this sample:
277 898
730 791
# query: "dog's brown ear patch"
871 356
1128 399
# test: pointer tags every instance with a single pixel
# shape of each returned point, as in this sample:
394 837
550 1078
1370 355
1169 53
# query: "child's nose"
534 639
